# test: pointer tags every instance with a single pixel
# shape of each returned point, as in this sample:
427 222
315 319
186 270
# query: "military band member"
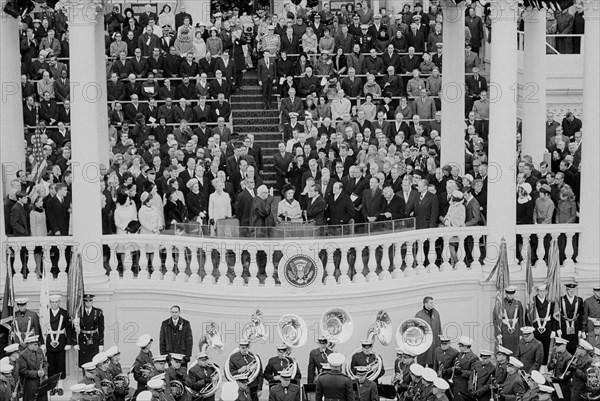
502 356
279 363
58 341
143 365
325 368
89 373
317 357
334 385
532 381
238 364
444 358
26 323
365 358
12 356
285 390
32 368
77 391
513 386
440 386
571 316
90 340
158 389
483 370
545 393
543 322
580 362
591 311
7 385
557 364
463 367
176 372
427 378
594 337
114 369
509 321
402 379
103 375
144 396
366 389
159 365
414 388
244 392
92 393
530 351
200 375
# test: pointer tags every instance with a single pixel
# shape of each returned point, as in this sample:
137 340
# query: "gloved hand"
67 347
559 333
76 347
101 348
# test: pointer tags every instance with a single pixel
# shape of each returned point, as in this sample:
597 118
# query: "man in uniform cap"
26 323
285 390
545 393
335 385
176 335
77 391
513 386
543 321
364 40
365 357
176 371
482 373
114 369
367 389
591 311
427 378
402 377
440 386
143 364
89 373
12 353
238 364
530 351
7 384
444 358
579 367
317 357
160 365
557 364
463 368
90 340
416 383
200 375
102 373
502 355
280 363
571 316
157 388
32 367
594 338
509 320
58 341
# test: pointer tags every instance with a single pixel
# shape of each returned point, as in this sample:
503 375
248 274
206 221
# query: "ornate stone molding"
504 10
560 109
83 11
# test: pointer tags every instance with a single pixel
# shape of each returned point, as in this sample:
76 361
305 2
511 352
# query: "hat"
217 15
159 358
282 347
457 194
322 340
484 353
511 289
6 368
112 351
335 359
31 339
439 44
542 287
526 187
429 375
596 323
596 288
545 188
177 357
361 370
325 366
285 374
293 114
515 362
213 28
377 16
585 345
560 341
409 353
504 350
191 182
156 384
88 297
465 341
441 384
596 351
546 389
527 330
201 355
469 177
21 301
416 17
89 366
77 388
571 284
144 196
144 341
100 358
537 377
244 342
144 396
54 298
364 26
9 349
444 339
416 369
366 343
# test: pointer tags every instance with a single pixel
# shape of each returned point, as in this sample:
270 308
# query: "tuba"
211 388
336 325
415 335
212 337
255 330
592 386
177 389
382 329
121 384
294 333
107 387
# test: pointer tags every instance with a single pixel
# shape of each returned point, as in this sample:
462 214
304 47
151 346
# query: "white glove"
76 347
553 334
582 335
101 348
499 337
43 347
559 333
67 347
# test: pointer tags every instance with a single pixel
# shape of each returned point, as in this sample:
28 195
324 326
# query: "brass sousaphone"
294 333
253 332
212 339
414 335
382 329
336 325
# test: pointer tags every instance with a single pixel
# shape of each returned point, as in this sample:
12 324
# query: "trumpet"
494 389
571 362
456 364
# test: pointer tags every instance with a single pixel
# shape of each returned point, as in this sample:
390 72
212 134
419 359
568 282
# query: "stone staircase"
250 117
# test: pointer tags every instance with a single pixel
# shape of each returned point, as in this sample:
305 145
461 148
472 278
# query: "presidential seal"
300 273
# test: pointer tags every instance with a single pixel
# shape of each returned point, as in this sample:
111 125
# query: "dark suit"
266 75
341 210
281 164
243 207
290 46
57 213
217 87
139 67
395 206
372 203
315 359
352 88
176 339
315 210
18 221
334 385
279 393
426 211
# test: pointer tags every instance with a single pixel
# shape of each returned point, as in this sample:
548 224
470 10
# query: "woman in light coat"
219 204
455 217
149 218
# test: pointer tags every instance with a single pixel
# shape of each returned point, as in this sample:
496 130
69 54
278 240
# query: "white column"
590 164
103 96
12 153
453 87
533 89
86 96
501 213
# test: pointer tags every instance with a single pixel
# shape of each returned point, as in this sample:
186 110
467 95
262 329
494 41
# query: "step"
249 98
249 105
255 128
243 112
256 120
273 137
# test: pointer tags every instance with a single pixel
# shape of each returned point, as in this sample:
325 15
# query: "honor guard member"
591 310
32 368
427 378
530 351
334 386
463 366
594 337
365 40
532 382
91 331
278 364
502 356
481 375
286 390
89 373
545 393
543 321
509 320
365 357
157 388
143 365
580 363
271 41
200 375
77 391
176 372
26 323
159 363
316 358
58 341
571 316
444 358
366 389
238 364
12 352
440 386
557 364
513 387
7 385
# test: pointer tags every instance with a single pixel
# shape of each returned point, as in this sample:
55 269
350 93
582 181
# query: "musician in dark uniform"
159 363
594 337
200 375
427 378
463 367
530 351
571 316
26 323
509 320
440 386
90 340
557 364
334 385
444 358
115 369
103 373
244 392
415 386
12 352
89 373
545 393
286 390
159 391
580 362
591 311
32 369
7 384
143 364
367 389
543 321
176 372
365 358
502 355
58 341
317 357
513 386
402 377
279 363
238 364
481 375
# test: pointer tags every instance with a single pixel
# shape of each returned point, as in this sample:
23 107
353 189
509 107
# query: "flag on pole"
39 166
45 303
553 278
75 287
502 281
8 300
529 304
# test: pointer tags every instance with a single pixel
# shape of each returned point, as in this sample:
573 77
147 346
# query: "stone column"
453 86
501 215
86 98
533 90
589 217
